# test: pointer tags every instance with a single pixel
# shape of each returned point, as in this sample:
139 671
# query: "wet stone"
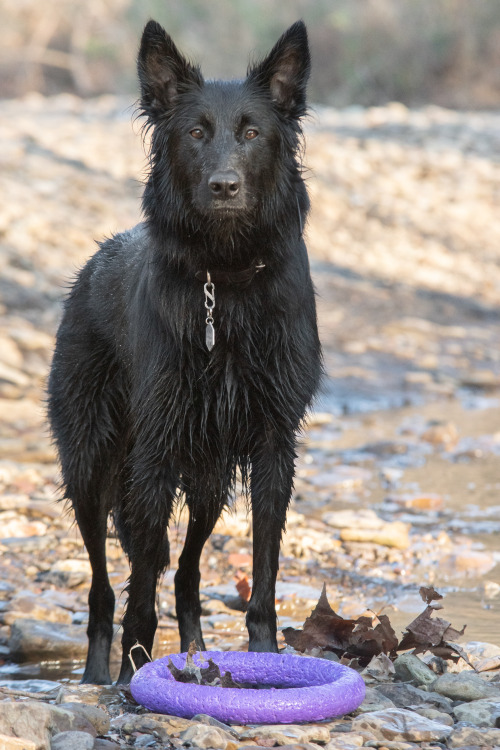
35 640
49 688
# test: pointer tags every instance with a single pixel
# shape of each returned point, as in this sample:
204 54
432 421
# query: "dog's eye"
196 133
251 133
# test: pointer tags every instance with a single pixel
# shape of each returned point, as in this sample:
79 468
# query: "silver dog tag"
210 335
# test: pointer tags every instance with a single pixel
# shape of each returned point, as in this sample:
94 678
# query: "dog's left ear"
285 71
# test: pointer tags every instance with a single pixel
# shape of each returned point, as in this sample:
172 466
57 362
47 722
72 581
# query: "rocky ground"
397 480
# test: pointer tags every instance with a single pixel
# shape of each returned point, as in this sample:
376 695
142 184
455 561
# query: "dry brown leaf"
429 594
428 632
243 587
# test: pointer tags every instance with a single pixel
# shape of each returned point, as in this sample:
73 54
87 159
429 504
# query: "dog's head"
224 146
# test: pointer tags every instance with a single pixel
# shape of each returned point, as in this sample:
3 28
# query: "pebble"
34 608
37 721
400 724
391 745
96 716
480 713
145 740
16 743
374 701
20 527
364 525
482 655
72 741
464 737
432 713
362 518
163 725
403 694
204 736
465 686
88 694
284 733
348 741
210 721
395 534
410 667
69 573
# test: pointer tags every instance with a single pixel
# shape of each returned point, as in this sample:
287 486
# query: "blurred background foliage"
365 52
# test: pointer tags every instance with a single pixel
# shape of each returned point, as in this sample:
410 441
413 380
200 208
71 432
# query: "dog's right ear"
163 71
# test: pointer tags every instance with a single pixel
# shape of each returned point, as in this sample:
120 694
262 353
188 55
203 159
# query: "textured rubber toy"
310 689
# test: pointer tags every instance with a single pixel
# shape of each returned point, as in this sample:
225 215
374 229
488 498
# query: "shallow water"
449 481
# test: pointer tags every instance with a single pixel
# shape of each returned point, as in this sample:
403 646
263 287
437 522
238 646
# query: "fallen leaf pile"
355 641
366 637
209 675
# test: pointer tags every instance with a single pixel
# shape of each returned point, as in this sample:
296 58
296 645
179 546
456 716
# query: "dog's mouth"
219 210
222 207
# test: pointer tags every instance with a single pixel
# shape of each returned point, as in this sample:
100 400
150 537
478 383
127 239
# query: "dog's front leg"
202 518
271 487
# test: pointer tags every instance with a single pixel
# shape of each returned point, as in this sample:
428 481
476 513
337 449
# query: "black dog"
188 349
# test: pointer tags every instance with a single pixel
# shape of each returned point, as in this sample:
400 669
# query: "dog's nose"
224 185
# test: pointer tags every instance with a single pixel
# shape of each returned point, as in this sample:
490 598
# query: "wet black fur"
140 410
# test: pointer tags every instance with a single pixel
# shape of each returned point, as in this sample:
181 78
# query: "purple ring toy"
310 689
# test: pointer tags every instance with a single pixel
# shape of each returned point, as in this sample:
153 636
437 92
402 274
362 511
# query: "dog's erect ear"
285 71
163 71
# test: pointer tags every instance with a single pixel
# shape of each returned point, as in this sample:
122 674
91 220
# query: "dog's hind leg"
85 400
202 520
271 487
92 521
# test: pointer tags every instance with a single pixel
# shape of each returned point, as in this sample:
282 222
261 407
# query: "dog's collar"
221 276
